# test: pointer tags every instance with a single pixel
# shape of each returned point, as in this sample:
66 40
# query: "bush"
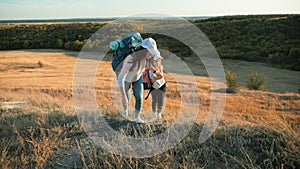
41 64
231 82
299 88
257 82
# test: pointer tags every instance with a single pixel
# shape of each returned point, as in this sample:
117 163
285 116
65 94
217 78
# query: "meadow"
39 127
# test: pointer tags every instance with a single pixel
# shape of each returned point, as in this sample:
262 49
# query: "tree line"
47 36
272 39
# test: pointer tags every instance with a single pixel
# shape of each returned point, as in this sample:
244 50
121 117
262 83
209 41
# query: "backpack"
147 82
123 47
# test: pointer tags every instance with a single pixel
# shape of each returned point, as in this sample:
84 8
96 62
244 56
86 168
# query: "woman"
130 74
158 87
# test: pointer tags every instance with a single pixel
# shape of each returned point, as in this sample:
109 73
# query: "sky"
61 9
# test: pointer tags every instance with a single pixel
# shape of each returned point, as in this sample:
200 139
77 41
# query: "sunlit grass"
257 130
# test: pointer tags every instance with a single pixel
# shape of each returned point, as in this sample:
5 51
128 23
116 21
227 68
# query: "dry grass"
258 129
278 80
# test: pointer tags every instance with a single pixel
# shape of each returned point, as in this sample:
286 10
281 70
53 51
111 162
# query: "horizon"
54 9
116 17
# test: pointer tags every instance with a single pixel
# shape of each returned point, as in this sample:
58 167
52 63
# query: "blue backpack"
123 47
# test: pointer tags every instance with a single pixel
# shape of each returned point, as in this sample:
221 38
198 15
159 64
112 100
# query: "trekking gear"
151 89
147 82
123 47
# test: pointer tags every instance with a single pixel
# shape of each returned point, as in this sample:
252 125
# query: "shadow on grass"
57 140
120 124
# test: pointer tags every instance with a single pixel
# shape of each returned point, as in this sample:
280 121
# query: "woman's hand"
152 69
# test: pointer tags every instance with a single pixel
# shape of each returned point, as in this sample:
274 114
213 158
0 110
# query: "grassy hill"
272 39
39 127
265 38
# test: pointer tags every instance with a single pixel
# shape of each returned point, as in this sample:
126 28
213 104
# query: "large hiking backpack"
123 47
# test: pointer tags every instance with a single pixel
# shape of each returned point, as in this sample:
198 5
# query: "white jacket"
131 75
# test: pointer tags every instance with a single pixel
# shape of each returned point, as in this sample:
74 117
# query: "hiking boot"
157 115
138 120
124 114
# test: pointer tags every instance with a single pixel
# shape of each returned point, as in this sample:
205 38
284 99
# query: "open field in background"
20 62
278 80
39 127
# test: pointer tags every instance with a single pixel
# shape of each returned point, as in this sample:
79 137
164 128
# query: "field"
39 127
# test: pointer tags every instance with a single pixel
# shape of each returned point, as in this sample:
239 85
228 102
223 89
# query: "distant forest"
272 39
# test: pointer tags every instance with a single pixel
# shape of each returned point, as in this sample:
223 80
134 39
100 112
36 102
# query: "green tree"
59 44
68 46
26 44
78 45
294 58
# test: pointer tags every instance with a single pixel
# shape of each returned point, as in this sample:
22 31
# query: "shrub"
257 82
41 64
231 82
299 88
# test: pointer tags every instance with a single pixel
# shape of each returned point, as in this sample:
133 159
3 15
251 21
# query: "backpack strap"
151 88
149 93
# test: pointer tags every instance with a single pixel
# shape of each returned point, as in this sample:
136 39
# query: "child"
158 87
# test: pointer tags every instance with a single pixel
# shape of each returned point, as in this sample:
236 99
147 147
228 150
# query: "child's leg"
154 95
160 98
